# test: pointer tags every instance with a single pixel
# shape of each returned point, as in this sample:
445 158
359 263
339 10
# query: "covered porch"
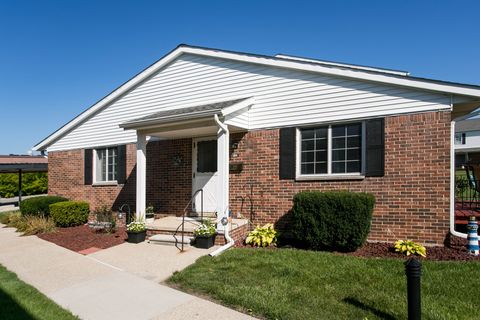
204 132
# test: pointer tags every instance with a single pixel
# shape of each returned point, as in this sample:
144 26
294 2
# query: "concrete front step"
167 239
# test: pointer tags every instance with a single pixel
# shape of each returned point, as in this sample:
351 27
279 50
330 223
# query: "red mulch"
386 250
83 237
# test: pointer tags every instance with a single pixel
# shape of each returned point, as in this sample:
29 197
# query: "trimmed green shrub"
69 213
332 220
39 206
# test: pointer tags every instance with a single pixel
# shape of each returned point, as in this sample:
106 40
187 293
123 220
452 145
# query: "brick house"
251 131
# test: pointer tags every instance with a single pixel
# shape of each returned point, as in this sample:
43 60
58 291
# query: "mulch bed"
83 237
386 250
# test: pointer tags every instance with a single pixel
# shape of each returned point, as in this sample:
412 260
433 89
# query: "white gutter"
230 241
452 184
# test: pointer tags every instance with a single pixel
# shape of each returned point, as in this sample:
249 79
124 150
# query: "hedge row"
39 206
63 212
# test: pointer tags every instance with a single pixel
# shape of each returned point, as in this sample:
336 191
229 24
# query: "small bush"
332 220
409 247
69 213
262 236
39 206
105 216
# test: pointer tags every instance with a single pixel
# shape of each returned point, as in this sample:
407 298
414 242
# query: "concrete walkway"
94 289
150 261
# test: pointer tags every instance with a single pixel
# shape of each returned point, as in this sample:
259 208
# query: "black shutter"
287 153
88 170
375 148
122 164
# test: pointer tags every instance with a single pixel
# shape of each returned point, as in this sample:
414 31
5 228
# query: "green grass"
297 284
19 300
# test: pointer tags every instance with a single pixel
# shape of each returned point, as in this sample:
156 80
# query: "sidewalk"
93 289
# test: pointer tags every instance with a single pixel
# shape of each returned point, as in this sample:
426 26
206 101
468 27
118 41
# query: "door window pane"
207 156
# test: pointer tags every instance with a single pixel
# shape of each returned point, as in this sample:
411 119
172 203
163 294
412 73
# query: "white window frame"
329 175
94 173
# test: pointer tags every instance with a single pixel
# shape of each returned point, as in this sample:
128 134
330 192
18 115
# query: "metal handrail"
183 217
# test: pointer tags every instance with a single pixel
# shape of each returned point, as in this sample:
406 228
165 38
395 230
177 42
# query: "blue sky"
59 57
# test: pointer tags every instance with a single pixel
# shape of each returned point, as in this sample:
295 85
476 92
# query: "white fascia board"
262 60
339 64
238 106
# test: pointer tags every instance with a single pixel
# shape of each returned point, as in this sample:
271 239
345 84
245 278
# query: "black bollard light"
413 270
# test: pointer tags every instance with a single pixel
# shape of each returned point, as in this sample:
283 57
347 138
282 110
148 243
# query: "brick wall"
168 184
65 178
412 197
169 175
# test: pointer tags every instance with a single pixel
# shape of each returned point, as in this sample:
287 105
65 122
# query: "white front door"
205 174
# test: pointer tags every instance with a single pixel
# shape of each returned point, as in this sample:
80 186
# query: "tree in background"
32 183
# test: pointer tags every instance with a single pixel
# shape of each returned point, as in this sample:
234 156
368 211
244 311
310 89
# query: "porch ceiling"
462 111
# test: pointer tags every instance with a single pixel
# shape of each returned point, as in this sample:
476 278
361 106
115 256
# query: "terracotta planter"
204 242
136 237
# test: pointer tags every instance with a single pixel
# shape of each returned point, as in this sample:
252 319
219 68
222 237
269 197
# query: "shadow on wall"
127 194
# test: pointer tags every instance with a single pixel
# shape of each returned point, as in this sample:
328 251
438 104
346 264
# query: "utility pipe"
230 241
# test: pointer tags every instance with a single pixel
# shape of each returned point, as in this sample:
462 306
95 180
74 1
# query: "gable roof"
302 64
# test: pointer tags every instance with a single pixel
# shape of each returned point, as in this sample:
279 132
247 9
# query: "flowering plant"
136 226
206 229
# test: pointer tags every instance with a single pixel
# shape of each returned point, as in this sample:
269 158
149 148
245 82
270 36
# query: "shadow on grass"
356 303
10 309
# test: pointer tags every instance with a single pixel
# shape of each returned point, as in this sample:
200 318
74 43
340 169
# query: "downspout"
452 183
225 218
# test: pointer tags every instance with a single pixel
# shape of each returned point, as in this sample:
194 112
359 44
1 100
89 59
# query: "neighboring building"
254 130
467 142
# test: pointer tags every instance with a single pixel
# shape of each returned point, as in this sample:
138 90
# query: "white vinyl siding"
283 97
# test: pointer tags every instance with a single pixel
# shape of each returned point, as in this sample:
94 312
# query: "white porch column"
141 197
223 158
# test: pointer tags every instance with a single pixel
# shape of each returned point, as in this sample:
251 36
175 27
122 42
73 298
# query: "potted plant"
136 231
205 235
149 214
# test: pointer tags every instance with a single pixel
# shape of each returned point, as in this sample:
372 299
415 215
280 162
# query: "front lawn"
19 300
297 284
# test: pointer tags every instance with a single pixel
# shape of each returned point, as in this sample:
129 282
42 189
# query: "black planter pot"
136 237
204 242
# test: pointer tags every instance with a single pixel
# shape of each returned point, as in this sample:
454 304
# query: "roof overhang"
25 167
278 62
197 120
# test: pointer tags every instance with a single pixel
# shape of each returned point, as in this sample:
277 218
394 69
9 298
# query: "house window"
460 138
331 150
106 165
